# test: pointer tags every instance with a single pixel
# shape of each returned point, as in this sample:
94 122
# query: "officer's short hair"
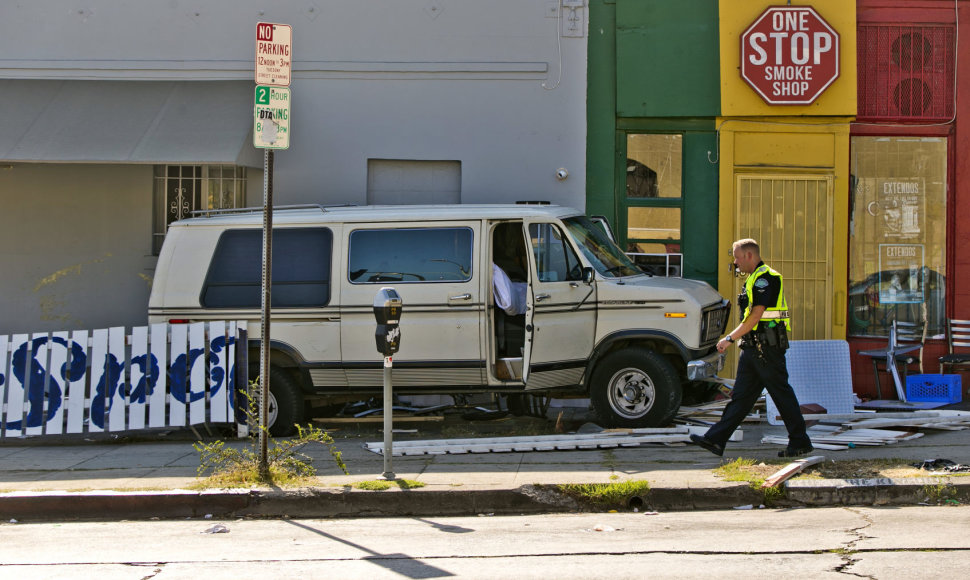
746 245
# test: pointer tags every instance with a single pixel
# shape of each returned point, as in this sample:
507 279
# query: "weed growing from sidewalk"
941 493
225 466
606 494
383 484
747 470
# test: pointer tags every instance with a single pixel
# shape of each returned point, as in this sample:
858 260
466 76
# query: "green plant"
746 470
383 484
225 466
941 493
606 494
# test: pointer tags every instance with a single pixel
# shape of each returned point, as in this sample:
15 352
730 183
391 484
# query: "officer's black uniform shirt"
765 291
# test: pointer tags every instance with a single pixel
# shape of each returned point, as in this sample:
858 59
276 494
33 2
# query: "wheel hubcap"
632 393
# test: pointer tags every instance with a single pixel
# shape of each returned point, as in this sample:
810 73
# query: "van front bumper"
705 368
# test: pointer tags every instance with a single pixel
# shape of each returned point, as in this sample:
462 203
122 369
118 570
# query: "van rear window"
410 255
301 269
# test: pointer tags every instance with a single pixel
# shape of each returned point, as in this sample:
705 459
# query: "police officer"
763 339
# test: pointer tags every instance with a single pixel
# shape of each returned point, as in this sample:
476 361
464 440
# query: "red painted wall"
958 201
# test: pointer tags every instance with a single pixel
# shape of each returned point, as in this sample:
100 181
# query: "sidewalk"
115 479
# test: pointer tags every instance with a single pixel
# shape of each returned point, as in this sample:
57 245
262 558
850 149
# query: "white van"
593 324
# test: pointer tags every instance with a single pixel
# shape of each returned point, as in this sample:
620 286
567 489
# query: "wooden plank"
397 419
139 373
99 363
197 389
59 372
76 385
239 374
16 395
219 365
37 379
875 423
116 387
178 375
158 398
790 470
5 375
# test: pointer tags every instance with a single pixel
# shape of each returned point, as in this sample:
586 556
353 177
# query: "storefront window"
654 192
897 234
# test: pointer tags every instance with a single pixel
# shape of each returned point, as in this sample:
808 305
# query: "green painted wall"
601 109
667 58
653 67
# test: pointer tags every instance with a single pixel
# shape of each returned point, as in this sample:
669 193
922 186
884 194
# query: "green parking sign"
271 117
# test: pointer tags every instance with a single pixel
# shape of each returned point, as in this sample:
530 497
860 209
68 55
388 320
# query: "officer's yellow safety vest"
776 313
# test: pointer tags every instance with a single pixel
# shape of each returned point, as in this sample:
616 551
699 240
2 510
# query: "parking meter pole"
388 420
387 312
265 318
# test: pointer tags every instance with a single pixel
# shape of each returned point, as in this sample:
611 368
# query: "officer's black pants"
757 372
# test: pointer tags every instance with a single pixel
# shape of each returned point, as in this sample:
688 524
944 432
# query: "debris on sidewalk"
217 529
942 465
709 413
840 438
790 470
609 438
850 430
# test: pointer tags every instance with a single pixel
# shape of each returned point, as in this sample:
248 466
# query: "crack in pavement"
848 552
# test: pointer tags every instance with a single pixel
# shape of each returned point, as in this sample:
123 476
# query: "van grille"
714 322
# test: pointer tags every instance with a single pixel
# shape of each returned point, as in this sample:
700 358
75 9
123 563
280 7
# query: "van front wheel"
635 387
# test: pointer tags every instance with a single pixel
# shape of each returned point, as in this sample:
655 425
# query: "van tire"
286 404
635 387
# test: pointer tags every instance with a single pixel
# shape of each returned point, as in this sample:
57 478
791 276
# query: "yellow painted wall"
739 99
803 145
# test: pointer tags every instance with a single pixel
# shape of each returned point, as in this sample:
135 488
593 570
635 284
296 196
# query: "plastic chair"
958 344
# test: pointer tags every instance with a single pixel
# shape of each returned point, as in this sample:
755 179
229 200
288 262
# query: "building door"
791 218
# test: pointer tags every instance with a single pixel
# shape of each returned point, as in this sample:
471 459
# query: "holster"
776 336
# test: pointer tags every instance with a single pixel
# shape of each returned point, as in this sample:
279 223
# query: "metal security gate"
791 218
108 380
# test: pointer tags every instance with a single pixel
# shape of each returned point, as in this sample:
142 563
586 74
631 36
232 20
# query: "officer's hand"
722 345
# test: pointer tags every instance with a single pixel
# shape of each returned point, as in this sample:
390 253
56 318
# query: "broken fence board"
790 470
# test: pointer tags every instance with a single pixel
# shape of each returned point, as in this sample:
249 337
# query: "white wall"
75 246
475 81
393 79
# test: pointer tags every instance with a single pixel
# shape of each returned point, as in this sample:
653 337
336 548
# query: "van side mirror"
588 275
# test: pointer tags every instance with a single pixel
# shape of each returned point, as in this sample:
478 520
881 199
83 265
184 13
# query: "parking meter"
387 311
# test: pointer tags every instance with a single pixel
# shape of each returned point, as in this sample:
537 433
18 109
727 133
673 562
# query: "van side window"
301 269
410 255
555 259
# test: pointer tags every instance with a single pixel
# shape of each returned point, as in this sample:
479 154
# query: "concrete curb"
530 499
878 491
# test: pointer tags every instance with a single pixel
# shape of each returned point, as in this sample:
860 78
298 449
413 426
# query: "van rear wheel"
635 387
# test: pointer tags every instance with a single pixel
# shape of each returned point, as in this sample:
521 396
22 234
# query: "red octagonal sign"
790 55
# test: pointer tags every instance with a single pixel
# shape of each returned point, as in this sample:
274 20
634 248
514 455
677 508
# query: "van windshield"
604 255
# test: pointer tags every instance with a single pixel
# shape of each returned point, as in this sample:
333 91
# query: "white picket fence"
108 380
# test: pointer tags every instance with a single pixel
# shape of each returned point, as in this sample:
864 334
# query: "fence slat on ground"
106 380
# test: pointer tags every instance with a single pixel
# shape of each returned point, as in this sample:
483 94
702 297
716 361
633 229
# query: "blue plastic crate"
934 388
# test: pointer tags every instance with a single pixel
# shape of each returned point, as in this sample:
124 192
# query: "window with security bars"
906 73
180 190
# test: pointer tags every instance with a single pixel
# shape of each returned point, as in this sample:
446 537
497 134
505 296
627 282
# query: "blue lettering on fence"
34 382
113 373
109 382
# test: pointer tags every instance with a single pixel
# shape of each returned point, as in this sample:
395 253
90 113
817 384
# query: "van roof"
379 213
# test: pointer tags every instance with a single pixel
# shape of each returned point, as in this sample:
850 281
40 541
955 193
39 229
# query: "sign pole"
271 114
267 306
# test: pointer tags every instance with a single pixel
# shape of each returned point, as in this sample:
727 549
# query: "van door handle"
465 296
541 297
